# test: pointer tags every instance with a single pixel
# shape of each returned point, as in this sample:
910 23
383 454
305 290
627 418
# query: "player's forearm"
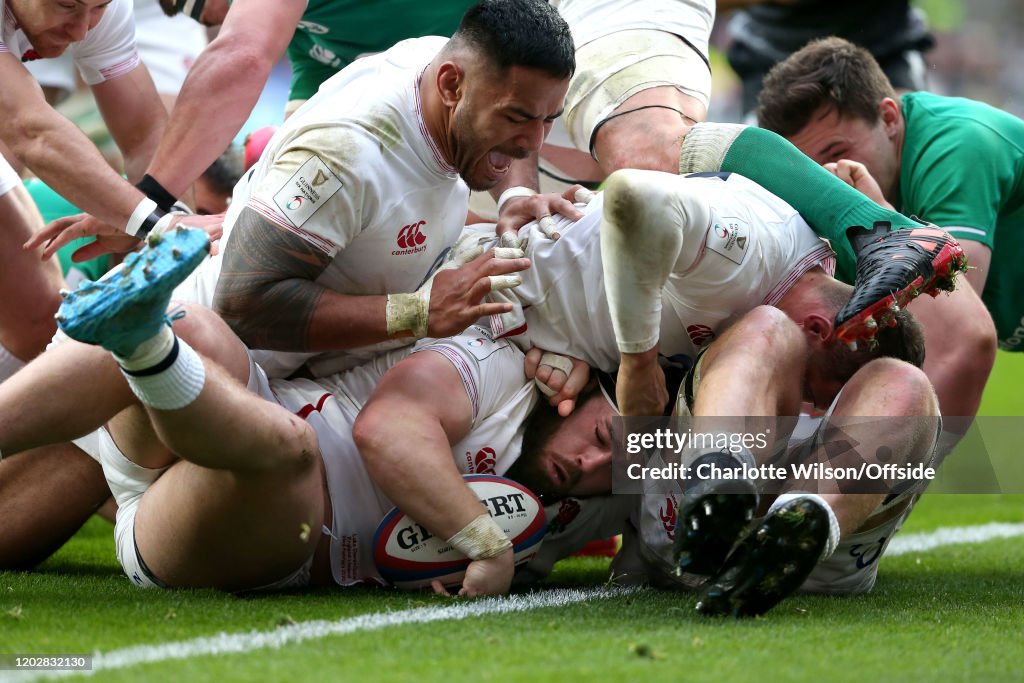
267 293
231 72
642 225
139 146
427 487
66 160
135 117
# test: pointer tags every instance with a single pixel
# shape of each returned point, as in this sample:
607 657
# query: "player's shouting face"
498 117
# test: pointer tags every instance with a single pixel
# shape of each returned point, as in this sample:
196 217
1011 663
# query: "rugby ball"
409 557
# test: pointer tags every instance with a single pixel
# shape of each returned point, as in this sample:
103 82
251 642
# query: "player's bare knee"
767 327
905 388
297 450
976 345
618 154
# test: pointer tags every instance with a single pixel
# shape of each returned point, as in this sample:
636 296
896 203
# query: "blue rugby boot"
124 309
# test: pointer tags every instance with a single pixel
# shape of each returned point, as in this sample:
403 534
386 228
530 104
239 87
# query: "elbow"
243 54
26 137
370 432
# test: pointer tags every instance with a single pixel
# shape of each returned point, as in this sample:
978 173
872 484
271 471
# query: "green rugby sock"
828 204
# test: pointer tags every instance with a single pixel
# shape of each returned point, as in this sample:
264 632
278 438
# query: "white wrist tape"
409 312
143 210
481 539
513 192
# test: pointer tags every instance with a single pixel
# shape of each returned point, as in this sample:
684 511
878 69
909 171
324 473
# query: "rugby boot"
893 268
712 514
770 562
128 306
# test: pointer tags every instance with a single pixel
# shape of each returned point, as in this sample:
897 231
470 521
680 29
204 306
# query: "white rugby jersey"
356 174
592 19
108 50
750 253
492 374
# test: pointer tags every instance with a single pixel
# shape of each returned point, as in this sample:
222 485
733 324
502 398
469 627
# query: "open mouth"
499 163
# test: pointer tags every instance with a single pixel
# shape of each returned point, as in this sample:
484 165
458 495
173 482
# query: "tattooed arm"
267 293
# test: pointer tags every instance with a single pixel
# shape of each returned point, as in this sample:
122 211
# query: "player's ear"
450 83
817 327
890 114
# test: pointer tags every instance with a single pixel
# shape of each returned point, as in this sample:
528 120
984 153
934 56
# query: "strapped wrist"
144 218
512 193
152 188
481 539
408 313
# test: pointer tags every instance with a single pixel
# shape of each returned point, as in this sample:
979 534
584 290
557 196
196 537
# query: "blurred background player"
951 161
764 32
236 64
100 39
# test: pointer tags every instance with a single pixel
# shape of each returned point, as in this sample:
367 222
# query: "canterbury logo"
320 178
700 334
668 518
410 235
485 461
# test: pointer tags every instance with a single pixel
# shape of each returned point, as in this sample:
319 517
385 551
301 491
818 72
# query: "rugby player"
951 161
278 484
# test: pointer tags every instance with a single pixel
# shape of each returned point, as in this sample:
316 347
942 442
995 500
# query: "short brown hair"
829 71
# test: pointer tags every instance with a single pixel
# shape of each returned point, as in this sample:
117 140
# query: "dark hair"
903 341
224 172
829 71
527 33
537 431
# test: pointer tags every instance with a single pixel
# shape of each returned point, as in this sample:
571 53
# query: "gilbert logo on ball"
409 556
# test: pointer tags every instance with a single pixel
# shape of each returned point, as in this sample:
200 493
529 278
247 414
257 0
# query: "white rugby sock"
9 363
833 523
164 372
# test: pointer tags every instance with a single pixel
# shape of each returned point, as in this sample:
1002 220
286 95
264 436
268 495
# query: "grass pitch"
947 614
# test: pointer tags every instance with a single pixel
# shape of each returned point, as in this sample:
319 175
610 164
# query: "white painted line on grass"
236 643
951 535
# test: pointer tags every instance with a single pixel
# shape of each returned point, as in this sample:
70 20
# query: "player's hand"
456 294
485 577
856 175
468 247
518 211
640 384
212 224
560 378
109 240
